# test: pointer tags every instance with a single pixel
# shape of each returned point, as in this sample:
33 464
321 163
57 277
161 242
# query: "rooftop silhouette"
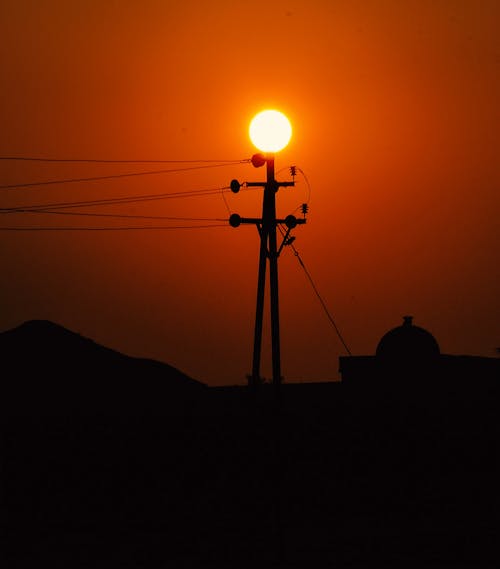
408 342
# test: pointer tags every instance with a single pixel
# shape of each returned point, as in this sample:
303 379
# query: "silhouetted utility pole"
266 227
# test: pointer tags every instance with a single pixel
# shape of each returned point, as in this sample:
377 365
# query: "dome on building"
407 343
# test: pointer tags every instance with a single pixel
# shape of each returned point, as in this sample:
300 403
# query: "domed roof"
407 343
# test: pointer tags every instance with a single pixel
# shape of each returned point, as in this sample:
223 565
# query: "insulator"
304 208
235 220
293 171
235 186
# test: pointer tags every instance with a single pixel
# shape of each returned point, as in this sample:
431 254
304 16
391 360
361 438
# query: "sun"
270 131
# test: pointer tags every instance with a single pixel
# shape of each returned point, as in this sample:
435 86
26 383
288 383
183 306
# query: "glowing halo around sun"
270 131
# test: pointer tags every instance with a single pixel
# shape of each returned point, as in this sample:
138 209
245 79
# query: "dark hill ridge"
44 366
340 474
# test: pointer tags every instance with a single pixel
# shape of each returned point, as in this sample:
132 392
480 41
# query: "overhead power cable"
320 298
307 184
124 228
111 176
110 161
118 200
117 216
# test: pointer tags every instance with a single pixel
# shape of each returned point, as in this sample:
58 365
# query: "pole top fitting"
258 160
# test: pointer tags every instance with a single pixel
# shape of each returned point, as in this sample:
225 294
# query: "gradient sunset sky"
395 111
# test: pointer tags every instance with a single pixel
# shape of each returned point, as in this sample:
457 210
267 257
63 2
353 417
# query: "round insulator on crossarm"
290 221
235 220
235 186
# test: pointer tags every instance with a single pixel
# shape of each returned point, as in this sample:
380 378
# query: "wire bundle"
61 208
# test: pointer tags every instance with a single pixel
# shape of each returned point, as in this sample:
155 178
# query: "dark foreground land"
329 481
103 466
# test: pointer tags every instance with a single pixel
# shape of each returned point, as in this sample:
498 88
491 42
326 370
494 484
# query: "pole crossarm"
290 221
264 184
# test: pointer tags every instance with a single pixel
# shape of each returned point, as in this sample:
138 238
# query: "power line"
111 176
308 200
123 228
323 304
293 170
117 216
118 200
109 161
307 184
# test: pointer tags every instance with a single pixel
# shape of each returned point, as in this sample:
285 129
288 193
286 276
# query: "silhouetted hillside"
47 368
374 471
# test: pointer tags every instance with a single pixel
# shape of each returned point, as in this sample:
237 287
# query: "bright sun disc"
270 131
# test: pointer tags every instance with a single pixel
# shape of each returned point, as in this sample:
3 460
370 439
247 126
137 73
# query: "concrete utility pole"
266 227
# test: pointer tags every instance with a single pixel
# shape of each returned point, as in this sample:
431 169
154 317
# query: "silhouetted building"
408 360
408 345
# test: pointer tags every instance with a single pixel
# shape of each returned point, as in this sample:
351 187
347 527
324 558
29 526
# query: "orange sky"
395 113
